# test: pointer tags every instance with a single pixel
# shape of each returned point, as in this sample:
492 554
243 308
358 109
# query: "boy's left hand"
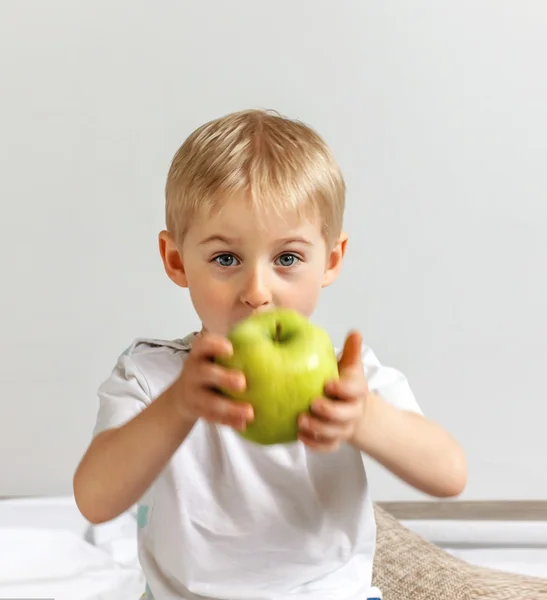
334 419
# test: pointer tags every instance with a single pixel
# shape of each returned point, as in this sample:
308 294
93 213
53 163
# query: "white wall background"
437 112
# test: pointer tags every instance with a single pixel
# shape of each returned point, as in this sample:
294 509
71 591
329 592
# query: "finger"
219 409
345 389
351 354
335 411
317 444
209 345
323 431
215 376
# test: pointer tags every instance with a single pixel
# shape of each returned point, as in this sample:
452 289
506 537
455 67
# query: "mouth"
254 312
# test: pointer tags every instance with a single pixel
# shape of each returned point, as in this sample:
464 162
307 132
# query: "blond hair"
276 162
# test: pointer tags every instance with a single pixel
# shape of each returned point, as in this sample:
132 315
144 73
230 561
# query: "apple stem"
277 332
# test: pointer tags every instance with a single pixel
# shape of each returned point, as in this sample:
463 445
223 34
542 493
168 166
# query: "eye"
288 260
226 260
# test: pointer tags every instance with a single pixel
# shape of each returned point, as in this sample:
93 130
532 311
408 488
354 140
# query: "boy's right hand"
197 391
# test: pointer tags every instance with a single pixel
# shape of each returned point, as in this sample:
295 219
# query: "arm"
418 451
121 463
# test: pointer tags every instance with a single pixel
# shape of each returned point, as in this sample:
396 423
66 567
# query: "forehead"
237 217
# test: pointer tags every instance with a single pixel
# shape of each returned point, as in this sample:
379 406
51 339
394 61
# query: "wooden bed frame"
496 510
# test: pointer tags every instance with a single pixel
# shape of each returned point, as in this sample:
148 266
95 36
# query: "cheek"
209 295
207 290
304 293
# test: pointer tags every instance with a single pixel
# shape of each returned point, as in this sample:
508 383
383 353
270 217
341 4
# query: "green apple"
286 361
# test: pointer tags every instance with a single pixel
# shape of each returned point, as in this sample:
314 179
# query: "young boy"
254 207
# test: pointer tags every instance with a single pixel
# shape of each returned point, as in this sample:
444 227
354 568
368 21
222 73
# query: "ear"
172 259
334 260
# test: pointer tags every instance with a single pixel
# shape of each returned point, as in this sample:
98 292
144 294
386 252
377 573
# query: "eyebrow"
230 241
296 240
217 238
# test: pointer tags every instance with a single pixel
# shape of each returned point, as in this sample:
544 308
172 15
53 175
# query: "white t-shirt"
233 520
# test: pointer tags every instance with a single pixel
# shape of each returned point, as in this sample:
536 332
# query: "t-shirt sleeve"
122 396
388 383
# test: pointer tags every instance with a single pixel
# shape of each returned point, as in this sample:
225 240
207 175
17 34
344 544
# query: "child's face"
233 266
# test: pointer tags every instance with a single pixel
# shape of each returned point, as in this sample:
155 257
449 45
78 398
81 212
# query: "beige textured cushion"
407 567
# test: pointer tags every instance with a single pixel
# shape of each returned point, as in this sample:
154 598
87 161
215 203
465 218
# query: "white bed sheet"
47 549
511 546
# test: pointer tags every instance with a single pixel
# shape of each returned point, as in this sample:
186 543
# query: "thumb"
351 354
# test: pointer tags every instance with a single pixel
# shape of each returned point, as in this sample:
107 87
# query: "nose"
256 292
